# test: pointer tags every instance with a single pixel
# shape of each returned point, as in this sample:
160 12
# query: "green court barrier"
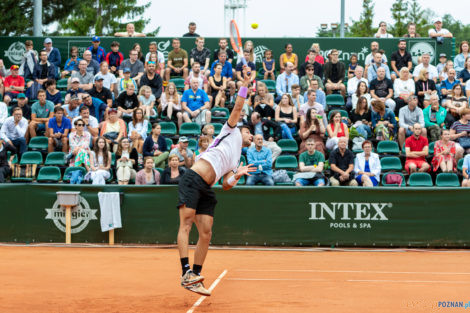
12 48
281 216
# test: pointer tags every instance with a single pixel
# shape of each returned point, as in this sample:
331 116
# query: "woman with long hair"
335 129
138 129
286 115
170 103
147 101
100 163
218 85
361 91
173 172
459 60
424 88
155 146
444 153
138 48
361 118
148 175
312 128
403 88
127 160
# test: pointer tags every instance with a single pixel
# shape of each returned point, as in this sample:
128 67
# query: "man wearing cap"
53 55
84 77
92 66
97 52
14 129
41 111
184 154
152 79
43 70
101 92
438 32
72 109
196 105
75 89
441 65
23 105
134 64
97 108
14 84
58 129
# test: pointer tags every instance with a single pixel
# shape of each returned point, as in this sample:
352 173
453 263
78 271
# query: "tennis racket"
236 42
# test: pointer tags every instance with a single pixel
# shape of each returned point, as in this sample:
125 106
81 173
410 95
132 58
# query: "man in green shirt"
177 61
41 111
311 166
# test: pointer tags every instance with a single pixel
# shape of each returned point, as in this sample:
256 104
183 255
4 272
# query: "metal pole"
37 26
341 29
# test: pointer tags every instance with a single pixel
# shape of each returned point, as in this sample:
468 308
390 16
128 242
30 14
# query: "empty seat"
55 158
447 180
169 143
286 162
388 147
49 174
31 157
179 83
288 145
420 180
220 114
192 144
38 143
168 128
190 129
334 100
391 164
270 84
217 128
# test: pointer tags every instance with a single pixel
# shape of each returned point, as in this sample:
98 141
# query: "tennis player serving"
197 201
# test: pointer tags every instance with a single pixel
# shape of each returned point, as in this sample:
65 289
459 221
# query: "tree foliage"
17 17
363 27
399 13
105 17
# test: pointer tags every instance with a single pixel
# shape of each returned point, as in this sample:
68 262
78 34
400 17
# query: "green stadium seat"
62 84
168 128
160 170
384 181
68 170
220 118
192 144
38 143
431 149
49 174
391 164
63 93
343 113
243 159
288 145
179 83
190 129
270 84
460 165
388 147
31 157
169 143
217 128
55 158
420 180
447 180
287 162
113 159
291 176
334 100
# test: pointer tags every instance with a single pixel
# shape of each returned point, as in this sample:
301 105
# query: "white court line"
354 280
214 284
346 271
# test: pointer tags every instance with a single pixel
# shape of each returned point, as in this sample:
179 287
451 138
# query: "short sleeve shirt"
416 145
71 113
311 159
466 163
381 87
239 67
59 129
84 79
201 56
17 81
177 152
459 127
42 111
224 152
401 61
196 100
342 161
177 58
136 68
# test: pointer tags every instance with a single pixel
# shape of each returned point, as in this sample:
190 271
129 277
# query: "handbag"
393 179
24 170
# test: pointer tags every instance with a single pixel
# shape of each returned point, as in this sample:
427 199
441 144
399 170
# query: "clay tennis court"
146 279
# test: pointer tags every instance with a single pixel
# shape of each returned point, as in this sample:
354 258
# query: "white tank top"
224 152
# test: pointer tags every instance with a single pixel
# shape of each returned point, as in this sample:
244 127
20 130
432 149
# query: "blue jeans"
306 182
287 132
20 145
364 131
263 178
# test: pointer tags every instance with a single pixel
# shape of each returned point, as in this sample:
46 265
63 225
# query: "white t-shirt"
108 80
160 57
92 122
370 58
224 152
403 86
386 35
431 68
467 85
352 84
443 31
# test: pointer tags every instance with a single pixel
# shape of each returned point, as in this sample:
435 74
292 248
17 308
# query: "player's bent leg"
204 226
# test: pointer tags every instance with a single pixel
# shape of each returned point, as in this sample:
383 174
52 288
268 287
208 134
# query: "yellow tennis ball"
254 25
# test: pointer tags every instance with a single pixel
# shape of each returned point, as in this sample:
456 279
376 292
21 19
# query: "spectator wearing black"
23 105
223 47
400 58
152 79
5 169
342 165
317 67
127 101
100 92
191 30
334 74
43 70
173 172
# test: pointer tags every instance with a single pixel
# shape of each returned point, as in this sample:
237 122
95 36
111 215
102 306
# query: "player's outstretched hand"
245 170
246 75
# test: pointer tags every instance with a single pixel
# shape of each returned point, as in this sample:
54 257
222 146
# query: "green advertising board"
12 48
281 216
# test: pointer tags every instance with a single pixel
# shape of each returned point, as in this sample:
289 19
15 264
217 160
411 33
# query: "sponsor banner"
281 216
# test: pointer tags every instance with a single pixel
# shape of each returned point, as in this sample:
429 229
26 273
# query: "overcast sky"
274 21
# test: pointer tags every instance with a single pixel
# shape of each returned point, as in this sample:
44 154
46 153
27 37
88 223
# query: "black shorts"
196 194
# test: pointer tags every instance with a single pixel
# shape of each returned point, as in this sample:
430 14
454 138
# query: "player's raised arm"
240 101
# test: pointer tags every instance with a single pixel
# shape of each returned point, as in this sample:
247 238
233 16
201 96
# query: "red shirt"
416 145
17 81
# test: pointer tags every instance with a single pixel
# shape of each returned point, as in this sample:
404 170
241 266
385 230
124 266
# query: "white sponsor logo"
420 48
162 46
15 52
81 216
259 53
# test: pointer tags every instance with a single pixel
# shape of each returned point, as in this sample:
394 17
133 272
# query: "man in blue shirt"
227 70
98 108
195 104
449 83
261 158
97 52
58 129
53 55
285 81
